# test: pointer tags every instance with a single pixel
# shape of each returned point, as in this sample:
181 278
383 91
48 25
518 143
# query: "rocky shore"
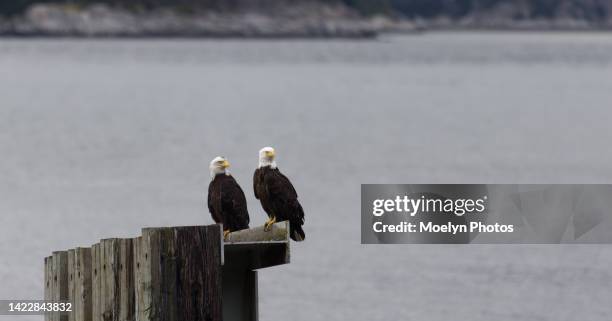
100 20
297 20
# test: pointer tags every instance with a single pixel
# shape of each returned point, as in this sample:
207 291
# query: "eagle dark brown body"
227 203
279 199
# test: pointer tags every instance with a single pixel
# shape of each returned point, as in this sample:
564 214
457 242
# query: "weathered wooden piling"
79 289
113 280
168 273
56 285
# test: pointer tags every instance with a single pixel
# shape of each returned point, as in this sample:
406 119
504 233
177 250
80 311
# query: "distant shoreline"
102 21
292 22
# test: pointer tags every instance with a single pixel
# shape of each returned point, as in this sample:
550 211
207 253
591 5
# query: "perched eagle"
277 195
226 201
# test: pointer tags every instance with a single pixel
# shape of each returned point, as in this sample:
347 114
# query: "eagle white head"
218 165
266 157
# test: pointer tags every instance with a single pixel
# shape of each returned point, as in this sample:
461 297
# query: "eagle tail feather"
297 233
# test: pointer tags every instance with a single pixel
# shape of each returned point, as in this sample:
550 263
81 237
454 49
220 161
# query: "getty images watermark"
404 205
491 213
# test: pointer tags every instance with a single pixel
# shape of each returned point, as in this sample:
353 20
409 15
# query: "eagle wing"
261 192
257 183
283 197
214 202
283 200
234 205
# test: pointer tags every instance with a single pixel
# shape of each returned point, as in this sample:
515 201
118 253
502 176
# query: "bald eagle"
226 201
277 195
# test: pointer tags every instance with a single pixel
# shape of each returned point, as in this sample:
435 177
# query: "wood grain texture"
142 280
96 283
148 287
82 302
71 281
116 280
198 287
182 274
168 274
48 283
125 278
256 248
60 282
108 290
278 232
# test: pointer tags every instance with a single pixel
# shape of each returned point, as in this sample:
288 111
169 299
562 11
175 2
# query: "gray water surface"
101 138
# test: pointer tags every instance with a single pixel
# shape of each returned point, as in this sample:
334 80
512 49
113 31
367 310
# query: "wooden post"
71 280
199 292
108 290
113 281
277 232
96 283
82 288
181 274
148 257
167 274
256 248
60 282
126 280
142 281
48 283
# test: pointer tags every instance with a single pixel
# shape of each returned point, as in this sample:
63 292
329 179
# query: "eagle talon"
225 234
269 223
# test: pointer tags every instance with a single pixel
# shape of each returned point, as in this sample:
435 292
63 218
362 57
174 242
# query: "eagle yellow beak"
270 154
225 164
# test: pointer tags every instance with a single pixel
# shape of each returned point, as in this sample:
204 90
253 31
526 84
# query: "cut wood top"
253 248
279 232
257 248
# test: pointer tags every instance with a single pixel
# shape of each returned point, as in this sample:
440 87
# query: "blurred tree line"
9 7
586 9
523 9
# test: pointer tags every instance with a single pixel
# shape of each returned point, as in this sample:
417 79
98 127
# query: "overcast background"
101 138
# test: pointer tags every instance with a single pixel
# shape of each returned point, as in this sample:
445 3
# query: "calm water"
101 138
